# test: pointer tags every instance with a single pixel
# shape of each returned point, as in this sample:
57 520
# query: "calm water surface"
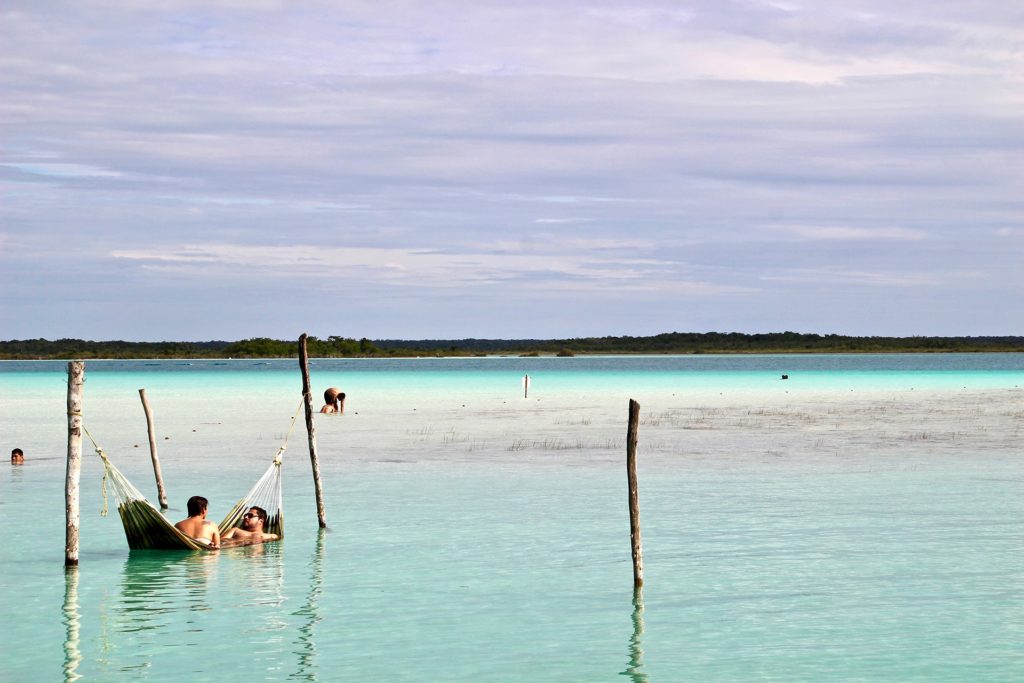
792 530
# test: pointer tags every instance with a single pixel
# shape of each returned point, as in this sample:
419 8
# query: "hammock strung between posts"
145 526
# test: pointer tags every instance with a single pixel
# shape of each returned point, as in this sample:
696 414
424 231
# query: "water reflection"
636 649
165 598
155 584
310 614
72 623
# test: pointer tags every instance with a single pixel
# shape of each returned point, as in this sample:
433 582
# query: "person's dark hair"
17 451
330 395
341 396
260 512
196 505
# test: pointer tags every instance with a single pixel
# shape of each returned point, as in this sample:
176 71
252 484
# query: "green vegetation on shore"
668 343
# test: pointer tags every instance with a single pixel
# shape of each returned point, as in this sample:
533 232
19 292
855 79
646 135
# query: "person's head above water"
331 394
255 519
197 505
17 456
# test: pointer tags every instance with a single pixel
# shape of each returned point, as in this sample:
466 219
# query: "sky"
178 170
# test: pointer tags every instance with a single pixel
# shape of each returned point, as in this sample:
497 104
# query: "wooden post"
307 396
634 505
76 378
152 451
526 386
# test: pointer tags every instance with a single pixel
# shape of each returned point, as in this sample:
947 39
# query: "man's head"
17 456
254 519
197 505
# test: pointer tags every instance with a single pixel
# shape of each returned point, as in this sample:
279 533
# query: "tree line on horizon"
667 343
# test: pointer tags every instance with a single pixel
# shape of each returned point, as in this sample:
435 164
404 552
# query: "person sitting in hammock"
251 530
197 526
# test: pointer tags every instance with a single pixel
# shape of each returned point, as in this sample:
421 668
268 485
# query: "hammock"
146 527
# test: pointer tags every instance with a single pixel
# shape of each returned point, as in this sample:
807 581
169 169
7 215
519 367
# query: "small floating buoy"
785 377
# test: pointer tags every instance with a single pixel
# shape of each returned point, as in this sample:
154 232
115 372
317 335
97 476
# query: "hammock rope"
147 528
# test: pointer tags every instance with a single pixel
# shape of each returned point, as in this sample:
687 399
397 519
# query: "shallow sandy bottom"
821 428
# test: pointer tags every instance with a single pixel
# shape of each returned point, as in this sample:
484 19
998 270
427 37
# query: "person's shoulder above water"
196 526
251 529
334 401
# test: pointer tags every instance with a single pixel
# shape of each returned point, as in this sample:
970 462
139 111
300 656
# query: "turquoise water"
859 521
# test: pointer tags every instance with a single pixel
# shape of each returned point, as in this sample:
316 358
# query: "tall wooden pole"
76 378
634 505
307 396
152 451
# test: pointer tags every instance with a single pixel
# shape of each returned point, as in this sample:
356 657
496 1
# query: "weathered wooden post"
634 505
152 451
526 386
76 378
307 397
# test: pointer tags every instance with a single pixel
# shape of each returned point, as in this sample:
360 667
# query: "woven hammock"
145 526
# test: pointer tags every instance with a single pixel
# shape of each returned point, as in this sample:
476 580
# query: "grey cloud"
547 128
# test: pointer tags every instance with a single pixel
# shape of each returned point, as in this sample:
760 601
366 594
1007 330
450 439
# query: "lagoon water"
862 520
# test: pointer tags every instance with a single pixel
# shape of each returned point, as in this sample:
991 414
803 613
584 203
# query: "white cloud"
851 233
374 267
838 276
62 170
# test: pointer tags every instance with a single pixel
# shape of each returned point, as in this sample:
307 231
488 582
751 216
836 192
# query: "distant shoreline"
673 343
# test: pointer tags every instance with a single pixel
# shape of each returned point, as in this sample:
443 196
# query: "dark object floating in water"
785 377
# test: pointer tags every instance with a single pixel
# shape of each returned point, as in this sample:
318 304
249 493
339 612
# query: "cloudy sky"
178 170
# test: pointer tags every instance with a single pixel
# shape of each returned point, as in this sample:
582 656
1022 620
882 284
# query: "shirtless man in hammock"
251 530
197 526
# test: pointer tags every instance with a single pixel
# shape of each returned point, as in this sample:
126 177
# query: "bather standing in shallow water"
334 401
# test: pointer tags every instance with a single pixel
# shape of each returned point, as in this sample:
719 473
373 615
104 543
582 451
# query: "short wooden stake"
526 386
307 397
76 378
161 493
634 505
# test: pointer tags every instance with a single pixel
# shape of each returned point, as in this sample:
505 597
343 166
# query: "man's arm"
214 535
